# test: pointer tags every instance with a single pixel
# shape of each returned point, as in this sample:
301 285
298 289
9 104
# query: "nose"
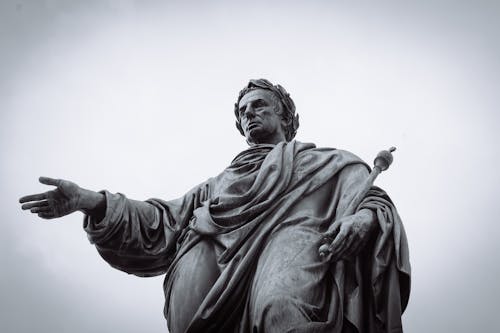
249 112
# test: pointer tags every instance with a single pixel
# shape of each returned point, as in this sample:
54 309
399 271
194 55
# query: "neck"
272 139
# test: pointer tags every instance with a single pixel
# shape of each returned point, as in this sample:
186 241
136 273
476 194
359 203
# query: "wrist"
367 215
90 200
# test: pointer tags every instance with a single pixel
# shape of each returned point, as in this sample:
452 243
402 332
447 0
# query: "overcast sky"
137 97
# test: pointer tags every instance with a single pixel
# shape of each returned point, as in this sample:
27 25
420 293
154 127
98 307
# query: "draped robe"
240 251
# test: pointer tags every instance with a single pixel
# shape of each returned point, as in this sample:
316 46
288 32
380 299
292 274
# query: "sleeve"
140 237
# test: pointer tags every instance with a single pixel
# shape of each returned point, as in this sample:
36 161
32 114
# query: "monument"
288 238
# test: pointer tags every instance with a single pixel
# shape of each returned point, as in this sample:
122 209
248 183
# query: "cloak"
240 251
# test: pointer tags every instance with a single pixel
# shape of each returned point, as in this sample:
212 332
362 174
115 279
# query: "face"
258 117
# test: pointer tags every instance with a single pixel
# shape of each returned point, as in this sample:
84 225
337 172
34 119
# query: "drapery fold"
271 198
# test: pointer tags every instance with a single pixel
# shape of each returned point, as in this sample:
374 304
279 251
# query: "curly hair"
287 110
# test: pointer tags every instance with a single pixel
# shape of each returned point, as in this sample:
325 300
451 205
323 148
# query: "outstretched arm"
137 237
65 199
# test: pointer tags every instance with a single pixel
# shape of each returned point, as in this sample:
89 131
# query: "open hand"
63 200
347 236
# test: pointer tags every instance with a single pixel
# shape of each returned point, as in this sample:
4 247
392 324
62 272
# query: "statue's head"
265 113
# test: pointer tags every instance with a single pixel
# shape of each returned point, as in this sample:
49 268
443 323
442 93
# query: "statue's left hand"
347 236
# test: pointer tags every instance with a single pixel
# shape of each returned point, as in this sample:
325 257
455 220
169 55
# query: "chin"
254 133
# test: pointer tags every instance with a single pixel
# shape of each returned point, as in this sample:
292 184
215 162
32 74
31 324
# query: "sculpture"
241 251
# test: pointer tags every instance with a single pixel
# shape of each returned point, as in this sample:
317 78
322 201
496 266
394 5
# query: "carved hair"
283 99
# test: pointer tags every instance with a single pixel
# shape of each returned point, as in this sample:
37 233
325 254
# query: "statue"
279 241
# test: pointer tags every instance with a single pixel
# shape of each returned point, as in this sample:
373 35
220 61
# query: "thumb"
49 181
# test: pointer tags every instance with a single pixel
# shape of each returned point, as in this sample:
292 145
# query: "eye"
259 104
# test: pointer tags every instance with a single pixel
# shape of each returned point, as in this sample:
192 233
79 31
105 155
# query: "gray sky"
136 97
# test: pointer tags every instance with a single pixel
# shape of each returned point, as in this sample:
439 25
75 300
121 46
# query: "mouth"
252 125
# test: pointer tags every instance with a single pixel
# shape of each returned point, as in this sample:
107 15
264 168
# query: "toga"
240 250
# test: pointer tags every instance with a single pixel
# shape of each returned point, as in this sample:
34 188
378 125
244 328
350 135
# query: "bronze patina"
288 238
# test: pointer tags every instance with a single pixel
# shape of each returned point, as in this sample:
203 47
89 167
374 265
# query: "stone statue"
241 250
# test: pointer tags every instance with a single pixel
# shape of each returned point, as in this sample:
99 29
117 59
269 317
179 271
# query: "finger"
33 197
337 253
332 230
347 248
46 215
35 204
338 241
40 209
49 181
328 238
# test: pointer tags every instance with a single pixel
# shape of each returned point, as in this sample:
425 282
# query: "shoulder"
340 155
347 155
328 160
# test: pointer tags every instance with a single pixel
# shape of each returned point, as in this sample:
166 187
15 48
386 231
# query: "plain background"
137 97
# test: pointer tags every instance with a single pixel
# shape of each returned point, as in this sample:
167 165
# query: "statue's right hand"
63 200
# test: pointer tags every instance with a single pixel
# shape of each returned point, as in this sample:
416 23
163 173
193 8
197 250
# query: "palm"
56 203
64 198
